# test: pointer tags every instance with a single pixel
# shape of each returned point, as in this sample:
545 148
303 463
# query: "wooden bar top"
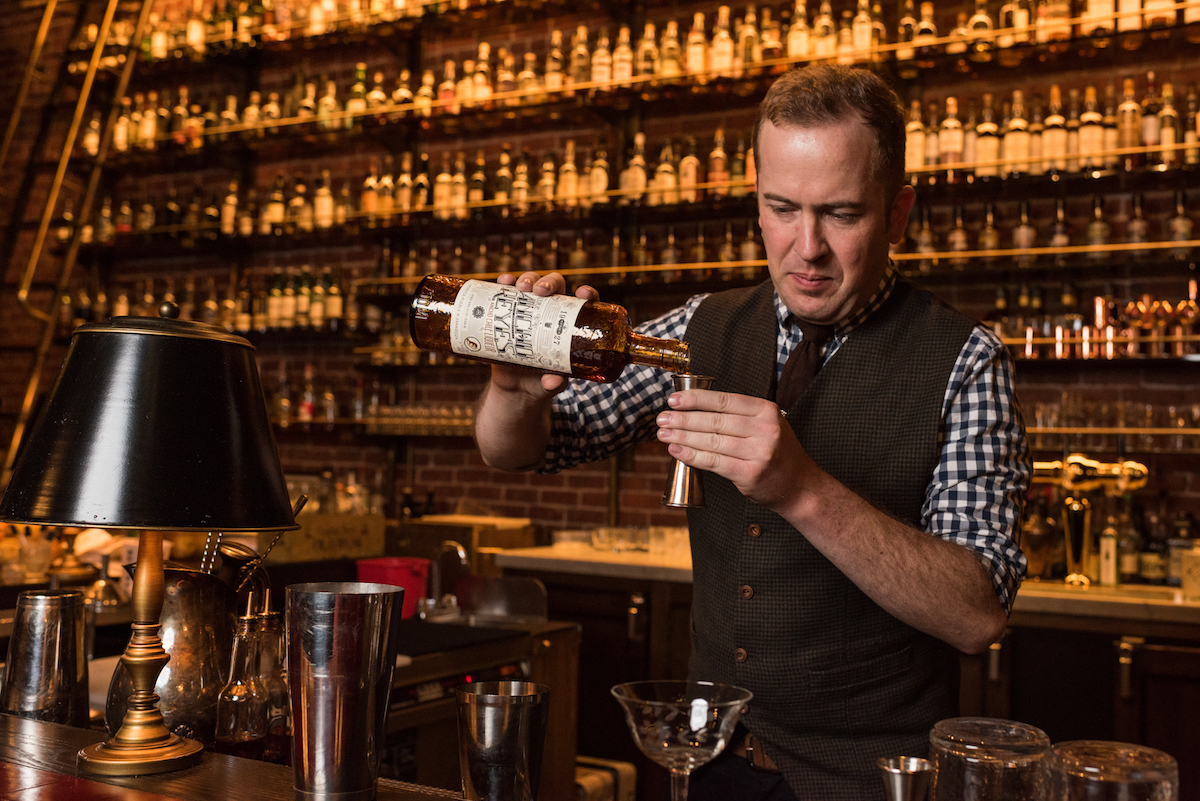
37 763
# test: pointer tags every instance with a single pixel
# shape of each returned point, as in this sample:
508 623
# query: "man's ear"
902 206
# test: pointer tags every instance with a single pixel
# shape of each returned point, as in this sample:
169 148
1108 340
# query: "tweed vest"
837 681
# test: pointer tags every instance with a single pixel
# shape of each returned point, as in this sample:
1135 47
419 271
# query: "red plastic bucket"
409 572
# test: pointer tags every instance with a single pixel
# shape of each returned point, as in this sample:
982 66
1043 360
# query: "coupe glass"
681 724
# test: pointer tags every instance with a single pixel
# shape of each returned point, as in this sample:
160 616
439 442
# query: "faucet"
436 601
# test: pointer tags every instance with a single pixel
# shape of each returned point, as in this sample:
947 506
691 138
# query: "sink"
495 602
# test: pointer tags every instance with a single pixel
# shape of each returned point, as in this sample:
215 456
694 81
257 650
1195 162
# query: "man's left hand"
746 440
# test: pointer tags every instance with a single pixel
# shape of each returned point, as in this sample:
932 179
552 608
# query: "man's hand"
741 438
518 379
512 421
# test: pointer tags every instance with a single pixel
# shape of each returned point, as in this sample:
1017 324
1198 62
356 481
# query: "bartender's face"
826 218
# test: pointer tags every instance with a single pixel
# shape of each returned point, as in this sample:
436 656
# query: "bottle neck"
666 354
246 647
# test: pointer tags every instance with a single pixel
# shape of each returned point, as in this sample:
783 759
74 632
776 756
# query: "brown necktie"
802 364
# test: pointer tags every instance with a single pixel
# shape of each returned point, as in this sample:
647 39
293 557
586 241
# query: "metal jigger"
683 483
905 778
1077 533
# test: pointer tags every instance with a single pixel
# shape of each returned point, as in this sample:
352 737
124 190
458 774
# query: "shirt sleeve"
591 421
978 488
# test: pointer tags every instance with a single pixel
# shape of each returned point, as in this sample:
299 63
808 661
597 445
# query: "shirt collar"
886 285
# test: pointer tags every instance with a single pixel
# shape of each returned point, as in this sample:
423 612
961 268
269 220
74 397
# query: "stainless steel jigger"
905 778
683 483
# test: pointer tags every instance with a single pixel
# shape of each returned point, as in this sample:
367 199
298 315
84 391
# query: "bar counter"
1131 602
37 761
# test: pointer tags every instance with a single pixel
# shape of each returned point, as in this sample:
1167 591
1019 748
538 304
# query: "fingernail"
673 401
663 420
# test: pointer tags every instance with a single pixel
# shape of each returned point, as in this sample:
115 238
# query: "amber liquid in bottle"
601 344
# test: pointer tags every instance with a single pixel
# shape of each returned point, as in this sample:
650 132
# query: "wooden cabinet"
1081 677
632 629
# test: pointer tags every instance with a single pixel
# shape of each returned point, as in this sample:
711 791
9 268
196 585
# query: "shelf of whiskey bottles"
768 39
317 407
138 137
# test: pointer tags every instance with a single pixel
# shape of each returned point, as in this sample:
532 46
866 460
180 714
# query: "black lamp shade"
152 424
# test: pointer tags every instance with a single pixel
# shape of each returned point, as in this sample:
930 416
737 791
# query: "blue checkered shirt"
975 496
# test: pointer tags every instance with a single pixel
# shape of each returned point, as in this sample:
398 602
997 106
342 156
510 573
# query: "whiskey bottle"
958 241
602 63
845 39
1073 124
989 235
580 69
695 60
1016 138
914 142
1054 136
1091 132
689 173
749 45
1179 228
622 58
477 186
905 31
1129 126
860 31
670 54
1191 131
458 187
646 59
987 143
323 203
980 28
553 78
950 142
598 177
925 37
482 77
1098 230
1138 228
1024 236
1168 130
567 189
721 48
1037 130
559 334
502 181
1060 232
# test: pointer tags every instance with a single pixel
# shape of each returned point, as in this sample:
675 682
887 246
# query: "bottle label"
499 323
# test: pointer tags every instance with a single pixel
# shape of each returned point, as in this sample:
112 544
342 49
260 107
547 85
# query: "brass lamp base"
143 745
112 758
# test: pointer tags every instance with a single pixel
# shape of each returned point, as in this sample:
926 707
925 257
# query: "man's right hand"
512 421
510 378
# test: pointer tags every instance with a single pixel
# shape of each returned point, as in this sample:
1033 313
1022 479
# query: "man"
856 532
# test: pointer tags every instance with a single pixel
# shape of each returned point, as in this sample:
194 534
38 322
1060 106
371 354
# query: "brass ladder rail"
46 317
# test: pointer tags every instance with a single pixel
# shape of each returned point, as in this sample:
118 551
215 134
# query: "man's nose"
810 243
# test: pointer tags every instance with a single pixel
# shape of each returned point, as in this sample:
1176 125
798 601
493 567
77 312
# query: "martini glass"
681 724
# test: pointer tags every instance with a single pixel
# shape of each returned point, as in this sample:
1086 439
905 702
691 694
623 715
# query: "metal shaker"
46 676
501 733
342 640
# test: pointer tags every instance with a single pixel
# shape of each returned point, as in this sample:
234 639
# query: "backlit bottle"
559 334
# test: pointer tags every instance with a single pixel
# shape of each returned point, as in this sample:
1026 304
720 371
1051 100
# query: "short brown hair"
824 93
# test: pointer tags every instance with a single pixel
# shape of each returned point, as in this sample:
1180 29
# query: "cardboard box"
327 536
423 536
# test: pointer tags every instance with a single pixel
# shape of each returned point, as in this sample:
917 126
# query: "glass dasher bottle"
558 334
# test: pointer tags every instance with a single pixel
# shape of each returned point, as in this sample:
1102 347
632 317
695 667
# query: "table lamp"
153 424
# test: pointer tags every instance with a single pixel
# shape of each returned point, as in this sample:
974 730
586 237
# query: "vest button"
740 655
755 530
746 591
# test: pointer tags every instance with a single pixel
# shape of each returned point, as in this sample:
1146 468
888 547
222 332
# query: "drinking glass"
988 759
681 725
1096 770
